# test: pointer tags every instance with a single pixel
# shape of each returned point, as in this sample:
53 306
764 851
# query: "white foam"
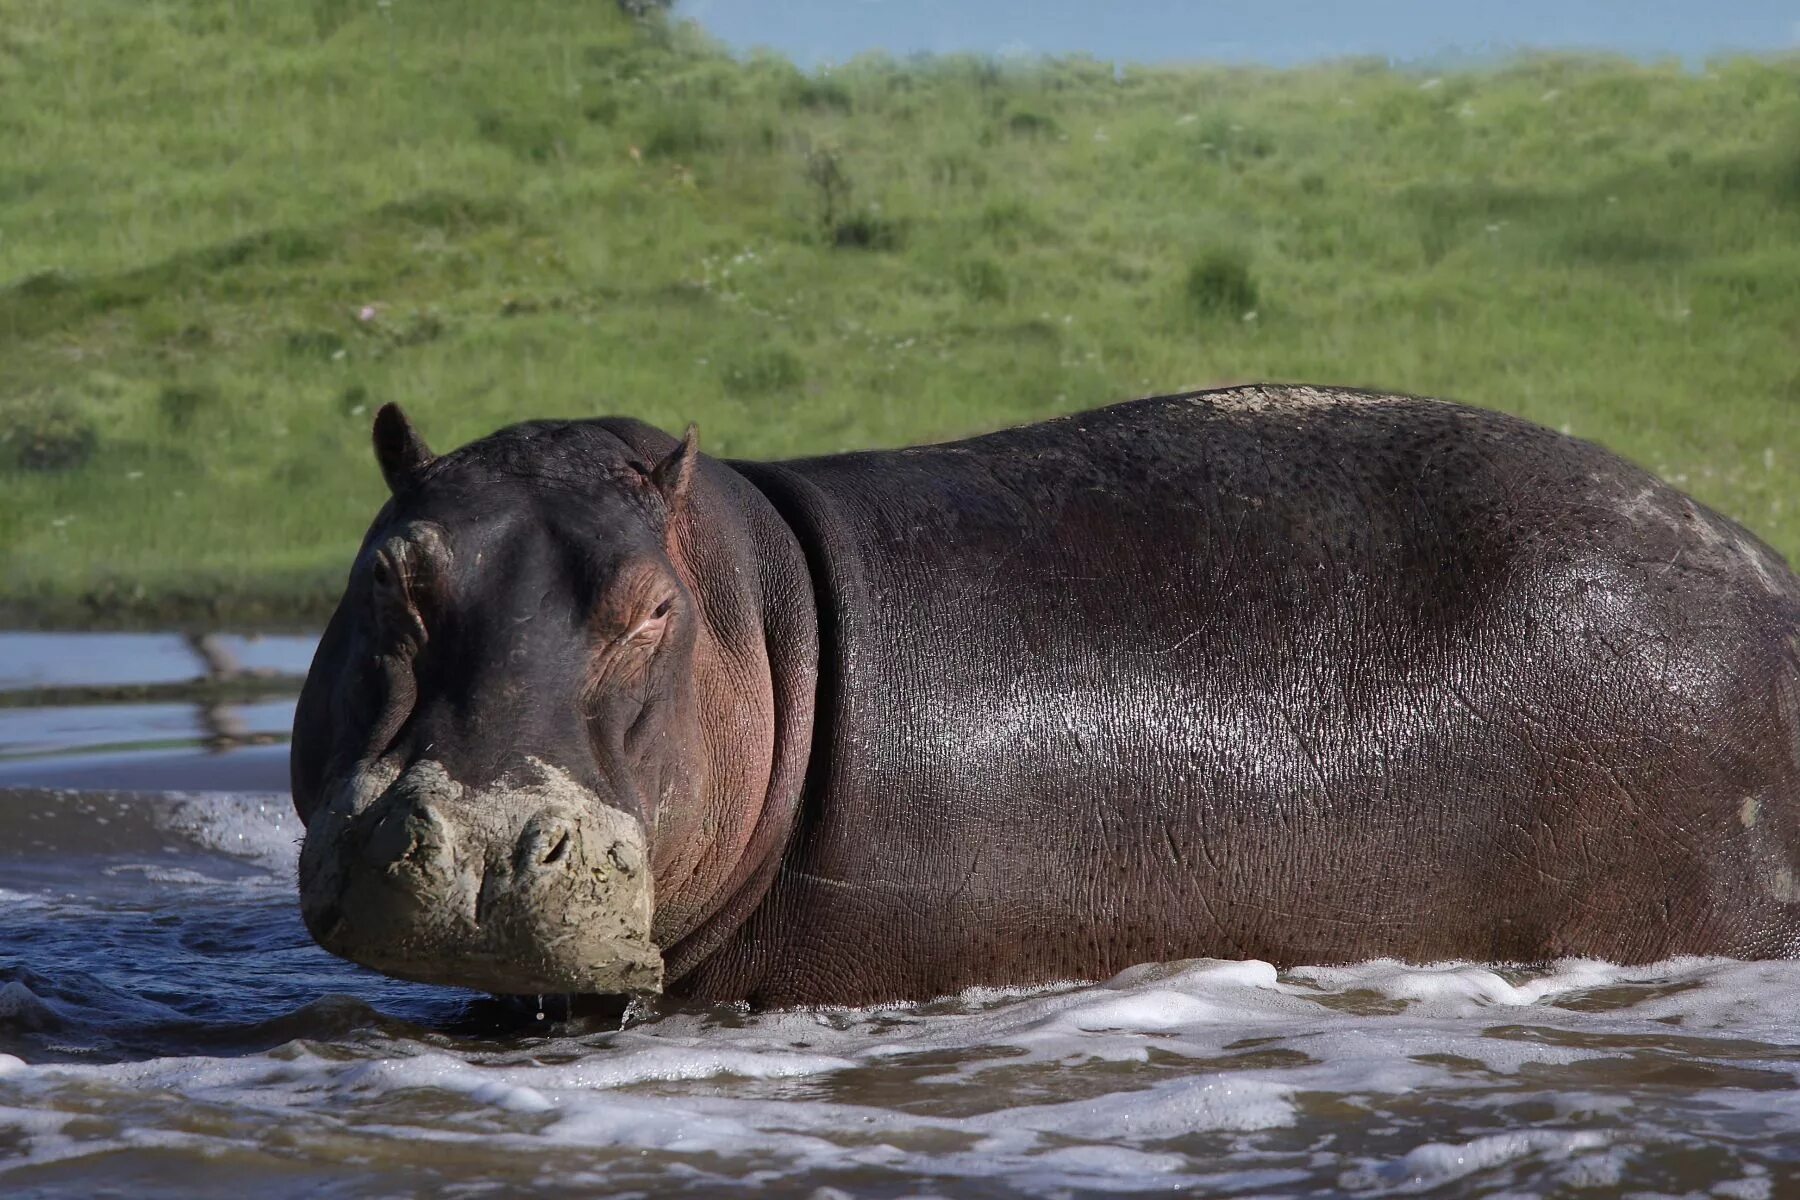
1176 1076
1460 988
510 1097
592 1073
1111 1161
1199 1104
1436 1163
260 827
157 873
1753 1187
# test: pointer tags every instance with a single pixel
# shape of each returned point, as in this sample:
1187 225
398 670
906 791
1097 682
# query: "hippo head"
500 713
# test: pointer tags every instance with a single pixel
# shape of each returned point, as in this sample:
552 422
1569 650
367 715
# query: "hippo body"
1298 674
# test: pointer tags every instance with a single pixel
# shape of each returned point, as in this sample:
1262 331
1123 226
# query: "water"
1284 33
167 1028
97 660
148 712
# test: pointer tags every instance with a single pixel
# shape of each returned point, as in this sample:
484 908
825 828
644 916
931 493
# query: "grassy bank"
229 230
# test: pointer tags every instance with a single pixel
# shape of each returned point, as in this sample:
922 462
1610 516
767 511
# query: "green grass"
554 211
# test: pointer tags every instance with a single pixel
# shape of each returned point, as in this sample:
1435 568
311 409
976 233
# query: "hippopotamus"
1298 674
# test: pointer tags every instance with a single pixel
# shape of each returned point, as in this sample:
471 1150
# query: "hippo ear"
399 449
674 475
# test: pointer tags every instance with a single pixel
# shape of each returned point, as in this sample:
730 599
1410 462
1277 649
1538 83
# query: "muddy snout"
537 887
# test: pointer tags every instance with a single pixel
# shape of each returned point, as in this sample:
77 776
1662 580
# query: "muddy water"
168 1029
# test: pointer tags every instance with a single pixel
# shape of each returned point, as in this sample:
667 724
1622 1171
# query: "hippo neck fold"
819 554
750 576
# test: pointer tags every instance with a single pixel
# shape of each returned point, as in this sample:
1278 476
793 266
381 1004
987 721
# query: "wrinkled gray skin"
472 876
1279 672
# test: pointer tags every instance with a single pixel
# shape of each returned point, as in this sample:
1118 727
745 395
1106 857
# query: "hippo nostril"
408 834
389 841
547 842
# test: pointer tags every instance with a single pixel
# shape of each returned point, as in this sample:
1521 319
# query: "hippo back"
1289 673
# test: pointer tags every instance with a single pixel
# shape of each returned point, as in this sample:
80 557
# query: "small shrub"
1440 230
1219 284
1615 245
1786 178
178 405
44 285
982 279
831 184
297 473
99 296
1028 124
48 436
418 329
819 93
168 327
868 231
1036 333
985 73
677 131
450 212
280 246
763 370
331 15
1226 140
532 139
192 336
18 185
1007 220
312 343
953 168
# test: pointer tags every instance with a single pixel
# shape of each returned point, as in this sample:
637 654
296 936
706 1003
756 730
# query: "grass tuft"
868 231
181 406
47 436
818 93
763 371
1029 124
678 131
1219 284
983 280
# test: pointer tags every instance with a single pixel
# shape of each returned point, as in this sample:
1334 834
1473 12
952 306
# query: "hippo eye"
649 630
620 666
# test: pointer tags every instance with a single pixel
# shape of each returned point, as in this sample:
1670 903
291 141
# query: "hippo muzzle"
534 886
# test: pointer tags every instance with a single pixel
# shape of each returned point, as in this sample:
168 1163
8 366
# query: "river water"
167 1028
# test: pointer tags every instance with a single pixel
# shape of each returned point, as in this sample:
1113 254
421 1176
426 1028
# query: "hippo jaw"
525 886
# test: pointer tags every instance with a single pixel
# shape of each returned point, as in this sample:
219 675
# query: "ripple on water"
167 1028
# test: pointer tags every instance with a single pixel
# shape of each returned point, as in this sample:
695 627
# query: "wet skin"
1297 674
